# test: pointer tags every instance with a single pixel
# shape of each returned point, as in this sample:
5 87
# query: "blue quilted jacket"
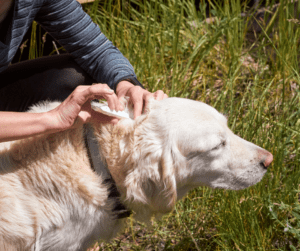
74 30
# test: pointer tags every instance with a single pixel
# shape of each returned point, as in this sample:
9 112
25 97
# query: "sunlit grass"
253 78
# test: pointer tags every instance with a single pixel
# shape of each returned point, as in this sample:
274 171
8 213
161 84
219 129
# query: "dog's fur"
51 199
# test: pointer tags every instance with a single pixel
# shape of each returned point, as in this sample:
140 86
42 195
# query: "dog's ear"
165 197
160 190
152 185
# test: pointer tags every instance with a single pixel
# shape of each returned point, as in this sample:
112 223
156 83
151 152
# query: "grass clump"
244 63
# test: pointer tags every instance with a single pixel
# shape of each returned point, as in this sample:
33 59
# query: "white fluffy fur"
52 200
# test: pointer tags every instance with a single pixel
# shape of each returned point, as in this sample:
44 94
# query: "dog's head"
181 144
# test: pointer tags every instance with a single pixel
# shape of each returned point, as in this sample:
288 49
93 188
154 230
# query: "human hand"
76 109
138 96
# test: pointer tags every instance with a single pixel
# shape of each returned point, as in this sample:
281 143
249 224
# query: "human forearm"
74 111
18 125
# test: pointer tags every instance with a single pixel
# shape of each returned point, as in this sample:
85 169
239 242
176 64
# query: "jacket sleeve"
67 23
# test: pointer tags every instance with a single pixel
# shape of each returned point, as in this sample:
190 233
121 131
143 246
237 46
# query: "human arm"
72 112
67 23
74 29
18 125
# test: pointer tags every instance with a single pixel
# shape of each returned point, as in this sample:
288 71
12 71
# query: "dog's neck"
116 143
133 151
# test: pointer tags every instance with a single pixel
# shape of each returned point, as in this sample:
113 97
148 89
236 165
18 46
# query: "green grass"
253 78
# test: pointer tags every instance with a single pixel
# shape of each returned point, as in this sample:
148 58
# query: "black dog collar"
101 169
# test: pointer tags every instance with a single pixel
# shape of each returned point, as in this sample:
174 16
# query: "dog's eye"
222 144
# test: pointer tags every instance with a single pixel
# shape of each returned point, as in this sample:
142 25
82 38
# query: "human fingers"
87 114
103 91
97 91
113 102
159 95
76 107
137 107
83 93
147 97
137 97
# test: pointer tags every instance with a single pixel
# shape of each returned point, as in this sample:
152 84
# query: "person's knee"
71 77
47 78
61 82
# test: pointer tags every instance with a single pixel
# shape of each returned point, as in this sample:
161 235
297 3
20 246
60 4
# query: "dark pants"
48 78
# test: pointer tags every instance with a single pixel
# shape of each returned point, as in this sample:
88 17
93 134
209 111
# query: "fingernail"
121 107
110 90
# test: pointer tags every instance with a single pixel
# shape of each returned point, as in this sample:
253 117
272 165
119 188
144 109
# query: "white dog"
51 198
